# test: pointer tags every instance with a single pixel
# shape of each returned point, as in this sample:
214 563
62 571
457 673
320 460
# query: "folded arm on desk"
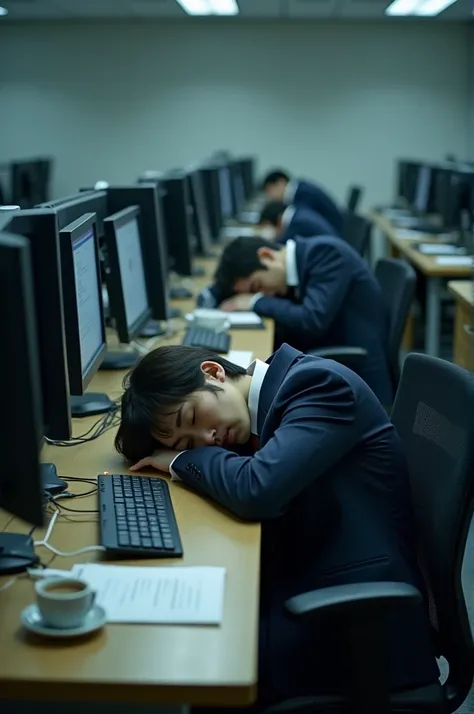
320 431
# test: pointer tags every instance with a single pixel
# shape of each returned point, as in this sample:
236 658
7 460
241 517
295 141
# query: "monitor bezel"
126 333
68 236
21 356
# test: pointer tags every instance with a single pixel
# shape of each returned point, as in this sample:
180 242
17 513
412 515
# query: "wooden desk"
130 663
435 276
463 293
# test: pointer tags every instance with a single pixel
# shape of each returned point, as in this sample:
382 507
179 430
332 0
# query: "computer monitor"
82 296
25 183
225 192
238 188
448 197
126 274
422 190
148 197
71 208
21 491
40 227
202 229
178 222
247 167
210 182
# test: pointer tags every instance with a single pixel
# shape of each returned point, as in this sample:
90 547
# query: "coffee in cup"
64 602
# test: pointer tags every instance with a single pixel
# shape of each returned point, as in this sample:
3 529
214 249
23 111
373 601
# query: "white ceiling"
249 9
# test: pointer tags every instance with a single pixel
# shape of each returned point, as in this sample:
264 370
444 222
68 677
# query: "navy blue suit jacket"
306 223
340 303
330 483
312 196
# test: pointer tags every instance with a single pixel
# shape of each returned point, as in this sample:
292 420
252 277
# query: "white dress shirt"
287 216
290 191
292 278
257 370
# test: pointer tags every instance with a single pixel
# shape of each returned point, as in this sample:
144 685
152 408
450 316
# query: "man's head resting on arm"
253 265
180 397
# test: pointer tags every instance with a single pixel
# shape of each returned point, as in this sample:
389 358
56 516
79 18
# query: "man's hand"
160 461
238 302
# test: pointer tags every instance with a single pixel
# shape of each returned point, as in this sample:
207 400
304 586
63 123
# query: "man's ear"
265 253
213 370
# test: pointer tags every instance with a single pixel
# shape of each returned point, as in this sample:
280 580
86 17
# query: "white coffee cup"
211 319
64 602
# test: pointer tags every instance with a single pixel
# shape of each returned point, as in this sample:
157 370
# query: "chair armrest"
351 599
349 356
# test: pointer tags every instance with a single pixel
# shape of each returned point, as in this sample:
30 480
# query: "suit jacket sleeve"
324 291
317 429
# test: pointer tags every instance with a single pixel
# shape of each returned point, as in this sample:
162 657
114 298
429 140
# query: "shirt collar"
292 278
257 370
287 216
290 191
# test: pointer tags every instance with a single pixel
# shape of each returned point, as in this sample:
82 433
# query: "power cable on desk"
100 427
45 542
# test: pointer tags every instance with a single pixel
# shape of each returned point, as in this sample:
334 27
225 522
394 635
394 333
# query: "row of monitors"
26 183
446 190
67 238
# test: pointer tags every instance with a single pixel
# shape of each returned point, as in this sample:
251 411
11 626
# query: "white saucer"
32 620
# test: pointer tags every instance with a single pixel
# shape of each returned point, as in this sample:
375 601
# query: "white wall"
338 102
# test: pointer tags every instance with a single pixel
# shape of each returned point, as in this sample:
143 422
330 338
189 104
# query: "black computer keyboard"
210 340
137 517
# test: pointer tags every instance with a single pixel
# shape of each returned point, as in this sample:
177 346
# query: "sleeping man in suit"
290 221
324 472
320 293
280 223
278 186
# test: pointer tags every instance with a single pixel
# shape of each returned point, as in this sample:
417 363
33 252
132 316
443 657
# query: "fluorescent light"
3 11
224 7
403 7
195 7
210 7
433 7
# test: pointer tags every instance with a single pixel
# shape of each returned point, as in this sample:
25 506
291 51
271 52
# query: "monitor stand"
52 484
90 404
17 553
198 271
179 293
17 550
115 360
153 328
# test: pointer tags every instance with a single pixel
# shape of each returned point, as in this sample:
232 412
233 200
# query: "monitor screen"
422 190
225 192
89 307
132 273
239 189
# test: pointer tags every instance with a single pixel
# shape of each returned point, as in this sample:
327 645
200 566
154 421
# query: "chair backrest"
356 231
397 280
354 197
434 416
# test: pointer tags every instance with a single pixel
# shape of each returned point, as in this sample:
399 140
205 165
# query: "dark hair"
272 212
274 176
160 382
240 259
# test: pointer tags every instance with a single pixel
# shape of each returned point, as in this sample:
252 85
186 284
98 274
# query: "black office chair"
397 281
356 230
354 197
434 415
